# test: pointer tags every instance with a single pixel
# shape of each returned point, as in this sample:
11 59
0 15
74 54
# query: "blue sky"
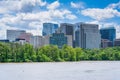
29 15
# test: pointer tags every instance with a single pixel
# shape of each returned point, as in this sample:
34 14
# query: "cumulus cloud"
100 14
22 15
114 5
19 5
79 5
53 5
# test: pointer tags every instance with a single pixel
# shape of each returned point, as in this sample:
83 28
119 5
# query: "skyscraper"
12 35
67 29
87 36
108 33
49 28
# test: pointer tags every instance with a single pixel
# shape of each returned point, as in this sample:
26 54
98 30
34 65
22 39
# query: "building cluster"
81 35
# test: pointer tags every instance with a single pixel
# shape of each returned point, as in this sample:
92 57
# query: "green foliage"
13 52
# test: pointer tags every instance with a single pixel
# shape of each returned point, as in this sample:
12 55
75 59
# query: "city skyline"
29 15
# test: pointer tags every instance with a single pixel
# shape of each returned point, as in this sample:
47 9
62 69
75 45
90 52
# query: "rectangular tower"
12 35
87 35
49 28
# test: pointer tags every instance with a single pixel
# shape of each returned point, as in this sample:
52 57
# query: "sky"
29 15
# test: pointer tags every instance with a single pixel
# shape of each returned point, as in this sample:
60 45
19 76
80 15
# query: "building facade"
37 41
68 29
60 39
106 43
49 28
12 35
87 36
108 33
4 40
46 40
25 36
117 42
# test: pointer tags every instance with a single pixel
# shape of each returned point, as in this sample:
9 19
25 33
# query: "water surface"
85 70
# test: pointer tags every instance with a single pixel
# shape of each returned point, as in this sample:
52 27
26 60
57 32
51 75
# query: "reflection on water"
89 71
84 70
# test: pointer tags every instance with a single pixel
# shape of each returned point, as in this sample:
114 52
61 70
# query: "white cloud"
114 5
71 16
19 5
19 16
100 14
53 5
80 5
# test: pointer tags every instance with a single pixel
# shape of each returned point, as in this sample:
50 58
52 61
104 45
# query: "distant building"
87 35
20 41
25 36
36 41
106 43
117 42
46 40
60 39
49 28
108 33
4 40
68 29
12 35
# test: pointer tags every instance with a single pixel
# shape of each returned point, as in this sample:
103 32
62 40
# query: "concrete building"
87 35
12 35
108 33
4 40
37 41
68 29
20 41
106 43
117 42
49 28
46 40
60 39
25 36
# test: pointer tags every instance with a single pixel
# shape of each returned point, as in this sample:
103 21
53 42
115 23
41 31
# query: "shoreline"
55 62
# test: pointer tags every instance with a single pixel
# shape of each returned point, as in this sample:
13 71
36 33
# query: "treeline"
13 52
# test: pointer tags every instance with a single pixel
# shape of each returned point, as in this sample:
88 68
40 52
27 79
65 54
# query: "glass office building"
49 28
58 39
108 33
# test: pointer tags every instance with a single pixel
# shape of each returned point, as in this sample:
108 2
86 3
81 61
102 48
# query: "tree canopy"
14 52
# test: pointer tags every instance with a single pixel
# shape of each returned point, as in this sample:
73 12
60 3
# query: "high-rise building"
49 28
12 35
68 29
37 41
108 33
60 39
87 36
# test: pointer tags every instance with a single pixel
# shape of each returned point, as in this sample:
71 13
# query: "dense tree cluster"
13 52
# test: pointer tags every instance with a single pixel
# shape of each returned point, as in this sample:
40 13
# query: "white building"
87 36
12 35
37 41
69 40
46 40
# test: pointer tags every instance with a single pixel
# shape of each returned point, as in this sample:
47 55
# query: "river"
84 70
